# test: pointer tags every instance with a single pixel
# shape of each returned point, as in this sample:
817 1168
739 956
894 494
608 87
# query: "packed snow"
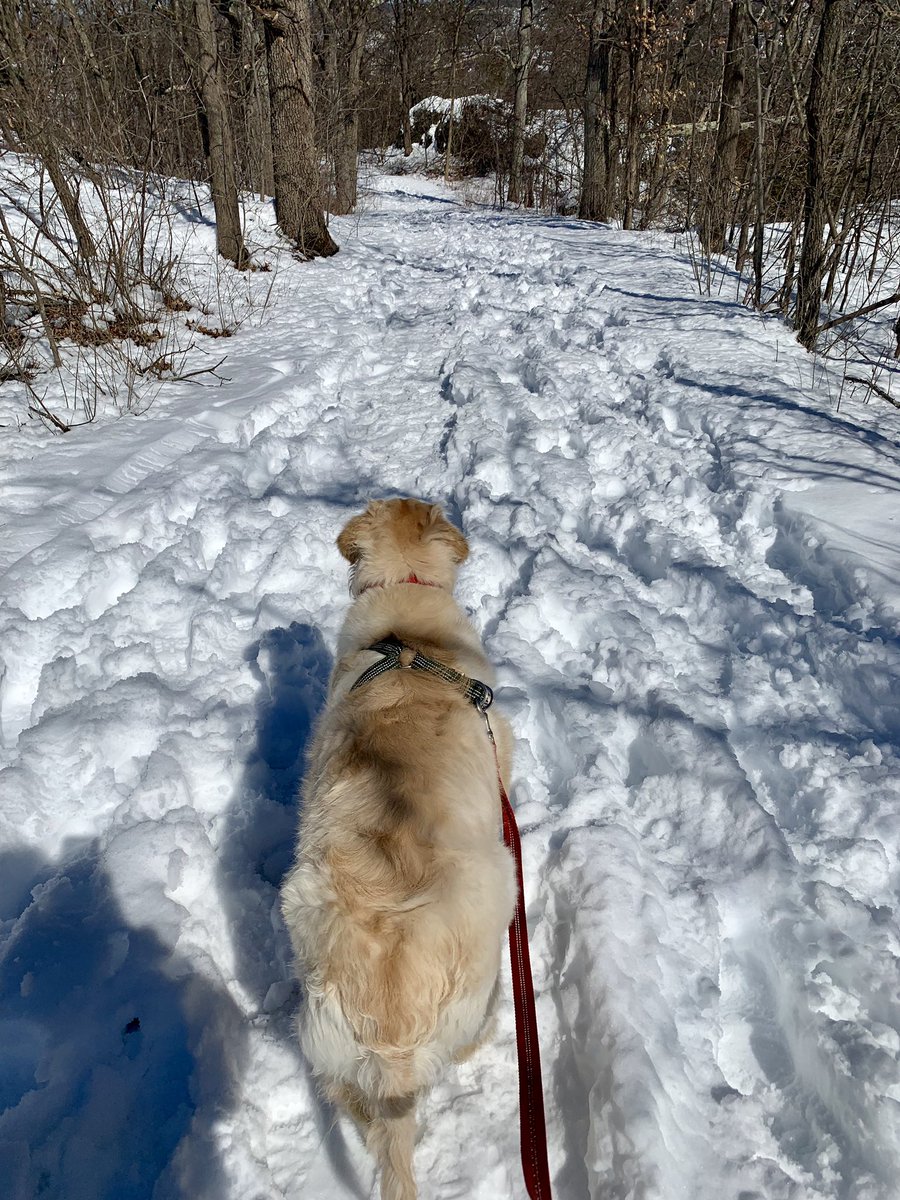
685 564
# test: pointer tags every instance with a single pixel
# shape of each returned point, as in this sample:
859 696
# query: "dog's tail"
390 1136
389 1127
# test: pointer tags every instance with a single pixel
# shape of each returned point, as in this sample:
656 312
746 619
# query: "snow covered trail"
686 567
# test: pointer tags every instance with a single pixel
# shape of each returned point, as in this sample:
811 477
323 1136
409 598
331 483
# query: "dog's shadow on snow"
118 1057
291 667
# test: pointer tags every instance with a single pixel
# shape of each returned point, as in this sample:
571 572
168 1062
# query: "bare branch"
860 312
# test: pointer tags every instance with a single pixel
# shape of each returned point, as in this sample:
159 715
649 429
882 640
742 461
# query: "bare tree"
298 186
343 41
819 122
28 121
638 16
254 150
594 201
759 165
722 172
456 20
520 101
219 138
403 11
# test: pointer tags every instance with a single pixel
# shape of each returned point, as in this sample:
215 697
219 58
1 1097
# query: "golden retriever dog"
401 890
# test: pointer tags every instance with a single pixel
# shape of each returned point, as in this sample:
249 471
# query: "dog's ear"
445 532
348 538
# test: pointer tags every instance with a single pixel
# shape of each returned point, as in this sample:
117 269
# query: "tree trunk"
346 159
631 166
815 201
594 183
638 32
258 126
759 177
343 40
24 113
89 59
298 187
612 141
721 181
346 151
459 14
659 181
401 39
221 151
68 198
328 90
520 102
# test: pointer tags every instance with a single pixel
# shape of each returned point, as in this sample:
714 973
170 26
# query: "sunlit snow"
685 564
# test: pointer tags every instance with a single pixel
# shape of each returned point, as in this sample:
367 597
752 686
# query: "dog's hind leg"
486 1029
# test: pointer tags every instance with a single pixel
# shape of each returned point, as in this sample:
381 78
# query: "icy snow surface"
685 564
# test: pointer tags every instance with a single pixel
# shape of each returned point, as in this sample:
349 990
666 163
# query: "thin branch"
860 312
870 383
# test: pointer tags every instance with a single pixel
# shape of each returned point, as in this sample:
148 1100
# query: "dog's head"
395 539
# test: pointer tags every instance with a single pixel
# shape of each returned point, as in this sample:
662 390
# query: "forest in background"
769 130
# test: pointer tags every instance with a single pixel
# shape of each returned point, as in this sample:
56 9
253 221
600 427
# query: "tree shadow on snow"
291 667
819 468
108 1042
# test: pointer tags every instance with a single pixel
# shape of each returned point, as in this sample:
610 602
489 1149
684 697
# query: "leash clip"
480 695
487 725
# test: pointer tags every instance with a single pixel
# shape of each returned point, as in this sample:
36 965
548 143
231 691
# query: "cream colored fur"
402 890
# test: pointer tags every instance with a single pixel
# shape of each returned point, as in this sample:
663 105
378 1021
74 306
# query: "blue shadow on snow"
291 666
100 1031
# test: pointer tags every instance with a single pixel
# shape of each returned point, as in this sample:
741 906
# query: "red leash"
531 1095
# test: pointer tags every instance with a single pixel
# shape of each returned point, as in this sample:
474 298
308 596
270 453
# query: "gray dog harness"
397 657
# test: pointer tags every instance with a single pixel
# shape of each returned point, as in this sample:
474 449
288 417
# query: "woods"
769 128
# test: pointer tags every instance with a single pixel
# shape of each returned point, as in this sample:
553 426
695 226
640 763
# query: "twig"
156 367
869 383
39 409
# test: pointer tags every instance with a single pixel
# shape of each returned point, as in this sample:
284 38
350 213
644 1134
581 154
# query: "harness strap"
391 648
532 1125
